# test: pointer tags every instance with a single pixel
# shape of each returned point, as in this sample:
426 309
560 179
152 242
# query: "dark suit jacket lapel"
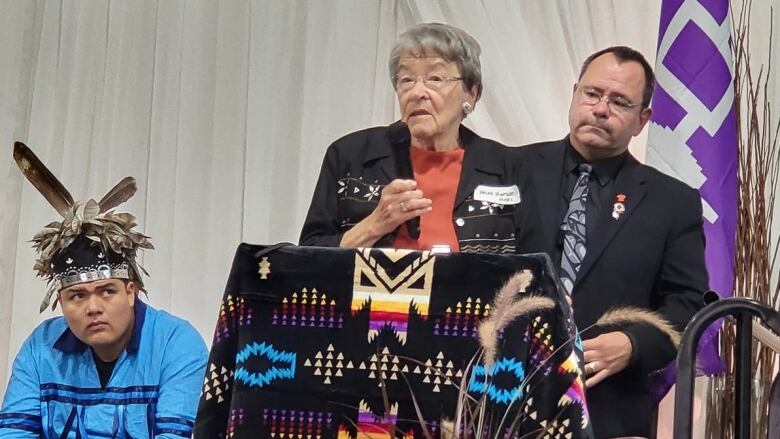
547 180
629 182
476 165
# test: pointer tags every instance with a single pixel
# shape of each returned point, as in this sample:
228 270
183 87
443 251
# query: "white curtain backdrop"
222 111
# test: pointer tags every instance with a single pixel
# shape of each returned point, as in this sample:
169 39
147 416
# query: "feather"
631 315
43 180
47 300
121 192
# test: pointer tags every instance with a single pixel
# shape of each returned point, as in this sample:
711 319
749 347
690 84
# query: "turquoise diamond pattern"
482 380
282 365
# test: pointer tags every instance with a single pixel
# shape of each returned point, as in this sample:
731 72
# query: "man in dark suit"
623 235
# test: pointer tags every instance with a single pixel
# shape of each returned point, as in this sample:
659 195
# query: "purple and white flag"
693 134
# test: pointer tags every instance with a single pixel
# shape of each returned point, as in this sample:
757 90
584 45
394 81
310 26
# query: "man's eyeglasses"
618 104
433 81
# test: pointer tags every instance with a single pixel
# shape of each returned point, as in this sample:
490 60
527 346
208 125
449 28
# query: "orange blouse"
437 174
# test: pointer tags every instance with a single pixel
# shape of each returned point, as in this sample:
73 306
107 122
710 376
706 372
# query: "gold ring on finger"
403 208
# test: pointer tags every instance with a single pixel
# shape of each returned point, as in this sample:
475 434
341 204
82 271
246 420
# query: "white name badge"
506 195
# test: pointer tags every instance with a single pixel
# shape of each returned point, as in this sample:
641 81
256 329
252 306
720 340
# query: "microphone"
401 140
710 297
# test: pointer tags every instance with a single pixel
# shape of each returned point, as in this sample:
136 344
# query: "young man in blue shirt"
111 366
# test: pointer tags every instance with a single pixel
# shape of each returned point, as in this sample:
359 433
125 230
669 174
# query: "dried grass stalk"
631 315
489 329
756 247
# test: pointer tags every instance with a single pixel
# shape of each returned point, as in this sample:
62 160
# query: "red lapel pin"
619 208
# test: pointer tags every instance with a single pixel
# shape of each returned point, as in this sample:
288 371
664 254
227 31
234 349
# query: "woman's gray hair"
448 42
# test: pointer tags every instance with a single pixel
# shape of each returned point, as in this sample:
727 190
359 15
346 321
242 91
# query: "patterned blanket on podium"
355 343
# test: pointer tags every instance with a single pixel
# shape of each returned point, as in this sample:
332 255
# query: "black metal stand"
743 310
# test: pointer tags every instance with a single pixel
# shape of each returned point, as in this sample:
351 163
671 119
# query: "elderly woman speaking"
456 188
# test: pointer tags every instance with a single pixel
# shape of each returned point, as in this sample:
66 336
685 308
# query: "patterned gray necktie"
573 229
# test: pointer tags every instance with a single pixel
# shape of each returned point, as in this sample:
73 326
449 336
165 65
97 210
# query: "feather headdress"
109 233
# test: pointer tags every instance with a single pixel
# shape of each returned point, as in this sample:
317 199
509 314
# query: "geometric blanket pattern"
349 343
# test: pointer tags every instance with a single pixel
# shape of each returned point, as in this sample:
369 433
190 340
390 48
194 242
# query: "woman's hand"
399 202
